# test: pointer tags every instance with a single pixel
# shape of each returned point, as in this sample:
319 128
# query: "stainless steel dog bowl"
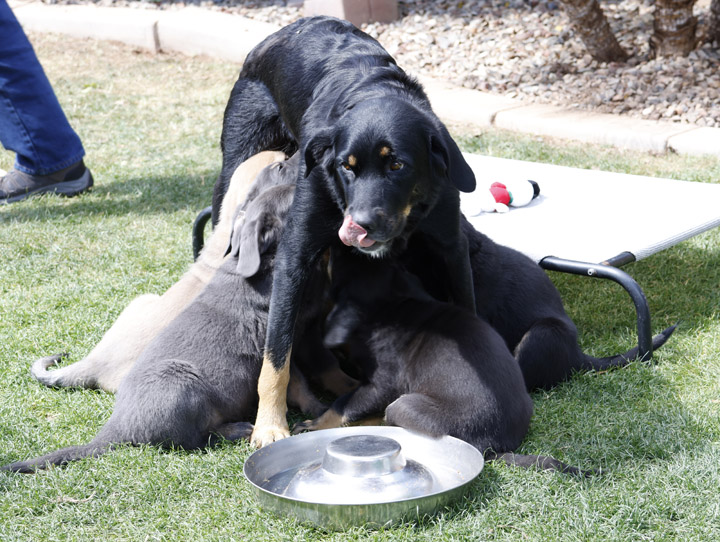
361 475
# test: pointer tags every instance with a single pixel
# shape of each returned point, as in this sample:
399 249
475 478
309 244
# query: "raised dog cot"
591 223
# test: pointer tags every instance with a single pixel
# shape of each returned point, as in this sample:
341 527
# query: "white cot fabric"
589 215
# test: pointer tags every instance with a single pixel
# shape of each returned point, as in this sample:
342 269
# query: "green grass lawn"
151 127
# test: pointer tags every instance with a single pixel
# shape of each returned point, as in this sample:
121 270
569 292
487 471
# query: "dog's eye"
395 166
346 166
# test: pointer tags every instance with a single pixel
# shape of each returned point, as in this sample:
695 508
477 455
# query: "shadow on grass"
681 284
643 412
150 195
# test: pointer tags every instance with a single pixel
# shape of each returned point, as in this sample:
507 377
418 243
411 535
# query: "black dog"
521 303
518 299
430 366
377 165
198 377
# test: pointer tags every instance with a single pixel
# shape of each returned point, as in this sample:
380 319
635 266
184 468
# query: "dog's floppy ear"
237 223
257 235
318 150
446 156
342 322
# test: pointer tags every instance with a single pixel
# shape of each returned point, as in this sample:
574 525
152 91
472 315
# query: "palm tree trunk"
592 26
674 28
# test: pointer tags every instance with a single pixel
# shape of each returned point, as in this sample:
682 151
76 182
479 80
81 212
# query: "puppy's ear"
344 319
318 151
237 223
446 156
257 235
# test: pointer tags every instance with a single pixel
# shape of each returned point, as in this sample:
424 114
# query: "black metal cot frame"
198 230
609 269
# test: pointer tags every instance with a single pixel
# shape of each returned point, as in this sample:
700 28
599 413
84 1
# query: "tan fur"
271 421
106 365
331 419
384 151
352 160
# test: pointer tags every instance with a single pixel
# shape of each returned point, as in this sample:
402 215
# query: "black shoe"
71 181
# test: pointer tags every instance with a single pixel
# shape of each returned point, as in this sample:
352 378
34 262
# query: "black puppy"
518 299
377 165
430 366
198 377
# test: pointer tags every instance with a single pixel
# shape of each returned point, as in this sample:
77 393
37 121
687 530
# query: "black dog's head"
389 161
365 290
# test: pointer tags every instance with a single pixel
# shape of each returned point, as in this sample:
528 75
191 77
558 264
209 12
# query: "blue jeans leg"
32 122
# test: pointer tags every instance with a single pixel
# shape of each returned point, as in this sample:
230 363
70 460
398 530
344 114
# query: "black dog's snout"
371 220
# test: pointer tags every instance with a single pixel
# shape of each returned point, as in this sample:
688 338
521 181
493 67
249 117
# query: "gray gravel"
525 49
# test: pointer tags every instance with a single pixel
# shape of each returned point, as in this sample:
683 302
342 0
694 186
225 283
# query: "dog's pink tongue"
353 235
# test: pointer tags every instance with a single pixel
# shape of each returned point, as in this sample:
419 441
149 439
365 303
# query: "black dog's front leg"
444 238
308 232
460 272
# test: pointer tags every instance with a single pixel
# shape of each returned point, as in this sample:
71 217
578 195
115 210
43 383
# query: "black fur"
430 366
519 300
198 377
370 148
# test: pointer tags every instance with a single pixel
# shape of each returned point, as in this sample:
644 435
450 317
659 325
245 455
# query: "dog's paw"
262 436
330 419
49 361
301 427
40 369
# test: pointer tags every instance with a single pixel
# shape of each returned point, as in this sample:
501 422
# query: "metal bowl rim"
355 505
470 479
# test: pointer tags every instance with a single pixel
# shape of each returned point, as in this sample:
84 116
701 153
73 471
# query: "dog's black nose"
370 220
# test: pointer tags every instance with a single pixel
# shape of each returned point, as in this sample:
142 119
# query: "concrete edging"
194 31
